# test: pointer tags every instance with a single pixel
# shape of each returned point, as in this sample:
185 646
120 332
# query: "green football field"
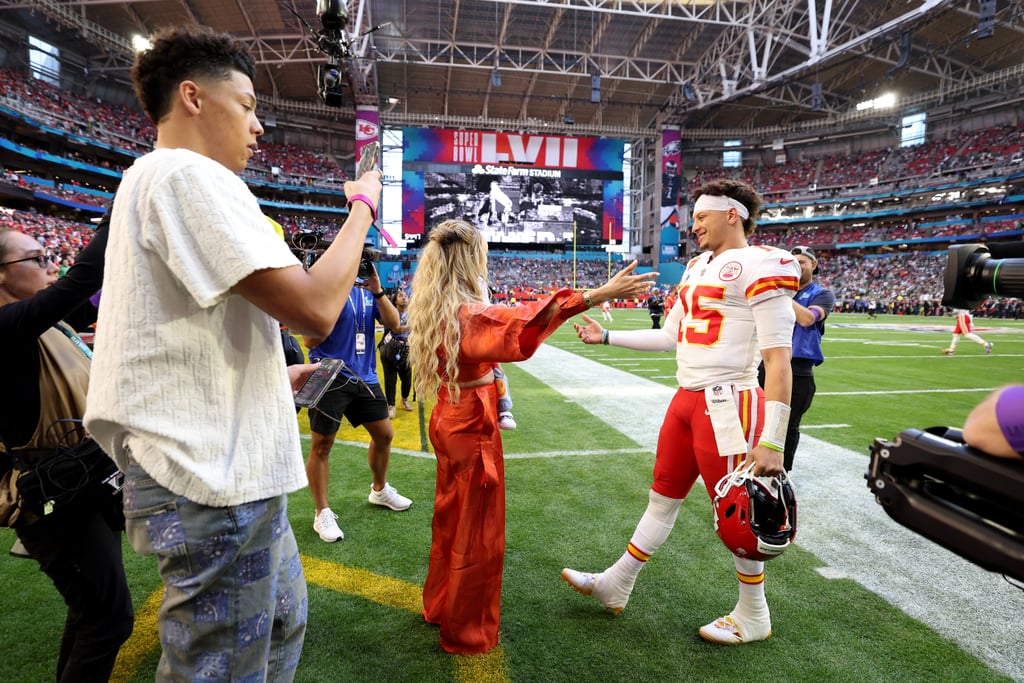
891 608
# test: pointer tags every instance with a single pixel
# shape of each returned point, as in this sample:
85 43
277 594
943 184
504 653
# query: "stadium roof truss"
602 67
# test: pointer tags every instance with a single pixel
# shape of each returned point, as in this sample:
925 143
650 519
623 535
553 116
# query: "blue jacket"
807 340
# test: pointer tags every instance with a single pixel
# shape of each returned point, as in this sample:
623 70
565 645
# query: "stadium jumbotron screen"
517 189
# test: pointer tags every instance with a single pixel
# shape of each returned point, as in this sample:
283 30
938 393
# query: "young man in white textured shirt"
189 390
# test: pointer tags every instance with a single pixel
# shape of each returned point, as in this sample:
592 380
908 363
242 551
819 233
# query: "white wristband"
776 422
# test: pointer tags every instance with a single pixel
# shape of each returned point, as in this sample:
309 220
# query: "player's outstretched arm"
591 333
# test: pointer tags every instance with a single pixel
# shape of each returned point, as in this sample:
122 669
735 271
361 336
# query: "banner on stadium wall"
671 185
669 242
517 188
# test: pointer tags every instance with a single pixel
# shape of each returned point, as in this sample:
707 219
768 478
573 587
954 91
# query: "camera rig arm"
964 500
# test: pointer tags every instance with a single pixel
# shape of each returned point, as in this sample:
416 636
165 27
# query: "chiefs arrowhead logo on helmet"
755 516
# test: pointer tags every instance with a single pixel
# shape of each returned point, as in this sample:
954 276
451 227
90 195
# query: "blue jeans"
235 601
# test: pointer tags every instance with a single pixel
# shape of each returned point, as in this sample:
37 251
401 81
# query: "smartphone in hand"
316 386
368 159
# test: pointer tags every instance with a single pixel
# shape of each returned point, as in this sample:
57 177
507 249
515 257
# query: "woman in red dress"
456 337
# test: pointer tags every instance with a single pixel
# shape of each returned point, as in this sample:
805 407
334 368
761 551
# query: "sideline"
840 521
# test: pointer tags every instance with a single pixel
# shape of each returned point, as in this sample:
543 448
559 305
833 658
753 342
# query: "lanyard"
361 317
70 334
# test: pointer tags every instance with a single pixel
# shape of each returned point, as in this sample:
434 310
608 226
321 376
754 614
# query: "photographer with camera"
355 394
76 541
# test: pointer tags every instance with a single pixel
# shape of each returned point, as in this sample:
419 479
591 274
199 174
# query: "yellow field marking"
391 592
144 639
384 590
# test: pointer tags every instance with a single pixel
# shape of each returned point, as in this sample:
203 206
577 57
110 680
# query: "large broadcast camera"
975 271
933 483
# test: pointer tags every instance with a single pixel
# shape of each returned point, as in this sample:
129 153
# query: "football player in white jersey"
734 301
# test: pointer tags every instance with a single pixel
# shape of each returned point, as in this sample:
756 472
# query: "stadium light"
886 101
140 43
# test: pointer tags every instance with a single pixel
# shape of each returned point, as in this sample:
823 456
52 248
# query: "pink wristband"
365 200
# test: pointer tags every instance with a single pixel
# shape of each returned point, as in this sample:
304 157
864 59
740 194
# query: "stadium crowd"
903 283
129 130
900 282
968 154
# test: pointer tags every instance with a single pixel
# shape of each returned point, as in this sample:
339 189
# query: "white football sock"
752 607
652 530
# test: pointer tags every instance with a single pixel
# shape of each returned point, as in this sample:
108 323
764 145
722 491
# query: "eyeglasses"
42 260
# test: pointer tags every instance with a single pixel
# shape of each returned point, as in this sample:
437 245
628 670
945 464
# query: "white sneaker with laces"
326 525
391 412
506 421
725 631
597 586
388 497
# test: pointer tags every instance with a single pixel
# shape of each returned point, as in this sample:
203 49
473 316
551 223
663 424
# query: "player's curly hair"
738 190
182 53
451 271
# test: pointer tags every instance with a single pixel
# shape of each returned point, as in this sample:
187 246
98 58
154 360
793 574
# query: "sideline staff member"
811 305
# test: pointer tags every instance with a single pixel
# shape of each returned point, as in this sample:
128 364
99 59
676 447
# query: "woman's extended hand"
625 284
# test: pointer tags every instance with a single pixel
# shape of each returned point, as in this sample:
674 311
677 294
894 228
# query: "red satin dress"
462 592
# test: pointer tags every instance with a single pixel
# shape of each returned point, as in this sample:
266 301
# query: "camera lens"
972 275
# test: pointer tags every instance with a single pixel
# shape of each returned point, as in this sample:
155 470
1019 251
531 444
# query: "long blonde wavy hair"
451 271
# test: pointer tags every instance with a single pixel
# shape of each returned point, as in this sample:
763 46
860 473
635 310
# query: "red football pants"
687 447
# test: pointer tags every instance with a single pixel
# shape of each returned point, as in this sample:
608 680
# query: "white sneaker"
391 412
326 525
388 497
598 586
725 631
506 421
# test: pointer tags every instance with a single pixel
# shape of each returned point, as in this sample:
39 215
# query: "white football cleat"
725 631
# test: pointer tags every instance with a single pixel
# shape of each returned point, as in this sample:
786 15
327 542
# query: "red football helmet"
755 516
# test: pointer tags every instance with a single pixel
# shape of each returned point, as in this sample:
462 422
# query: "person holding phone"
189 391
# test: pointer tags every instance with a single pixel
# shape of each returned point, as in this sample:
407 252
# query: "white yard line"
840 522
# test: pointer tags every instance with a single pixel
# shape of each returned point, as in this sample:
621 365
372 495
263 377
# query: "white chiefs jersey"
713 317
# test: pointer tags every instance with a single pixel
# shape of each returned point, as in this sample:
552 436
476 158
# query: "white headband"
708 202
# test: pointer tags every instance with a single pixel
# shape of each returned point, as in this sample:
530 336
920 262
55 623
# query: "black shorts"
358 402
